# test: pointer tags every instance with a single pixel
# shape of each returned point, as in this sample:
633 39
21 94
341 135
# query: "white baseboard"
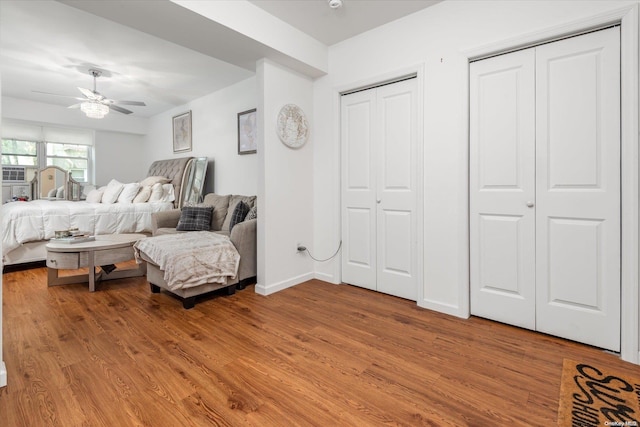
3 375
330 278
452 310
276 287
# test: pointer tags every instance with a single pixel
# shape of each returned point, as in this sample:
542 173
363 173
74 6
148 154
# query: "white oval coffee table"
105 250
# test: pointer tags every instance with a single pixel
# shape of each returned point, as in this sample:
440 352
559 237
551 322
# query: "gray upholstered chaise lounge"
243 237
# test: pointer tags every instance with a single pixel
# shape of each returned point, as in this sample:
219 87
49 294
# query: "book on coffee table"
73 239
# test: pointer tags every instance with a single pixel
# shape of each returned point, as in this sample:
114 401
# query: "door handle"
378 201
530 204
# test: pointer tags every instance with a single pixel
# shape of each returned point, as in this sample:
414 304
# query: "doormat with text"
597 396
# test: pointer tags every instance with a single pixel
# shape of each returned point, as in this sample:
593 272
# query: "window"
32 146
19 153
70 157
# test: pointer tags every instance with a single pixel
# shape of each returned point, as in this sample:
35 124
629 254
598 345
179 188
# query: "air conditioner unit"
13 174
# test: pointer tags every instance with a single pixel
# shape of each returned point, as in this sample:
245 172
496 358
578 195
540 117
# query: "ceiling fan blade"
89 94
95 97
120 109
138 103
57 94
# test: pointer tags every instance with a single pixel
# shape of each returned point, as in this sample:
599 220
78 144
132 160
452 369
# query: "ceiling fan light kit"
95 105
94 110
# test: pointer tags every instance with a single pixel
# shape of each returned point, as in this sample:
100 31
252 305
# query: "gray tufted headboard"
174 169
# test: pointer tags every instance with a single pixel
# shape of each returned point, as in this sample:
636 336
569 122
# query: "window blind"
20 131
29 132
68 136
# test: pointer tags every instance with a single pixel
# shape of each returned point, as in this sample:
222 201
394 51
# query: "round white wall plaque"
292 126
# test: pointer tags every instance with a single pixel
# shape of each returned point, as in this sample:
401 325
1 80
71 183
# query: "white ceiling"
49 46
331 26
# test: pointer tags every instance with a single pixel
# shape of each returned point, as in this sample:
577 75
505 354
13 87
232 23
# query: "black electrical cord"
304 249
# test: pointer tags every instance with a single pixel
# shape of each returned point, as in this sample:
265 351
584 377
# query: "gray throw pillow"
238 215
233 202
195 218
253 213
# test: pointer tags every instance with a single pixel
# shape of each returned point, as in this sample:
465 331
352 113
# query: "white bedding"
191 259
24 222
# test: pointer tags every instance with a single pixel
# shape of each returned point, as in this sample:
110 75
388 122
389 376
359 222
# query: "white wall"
215 135
3 368
436 39
118 156
285 197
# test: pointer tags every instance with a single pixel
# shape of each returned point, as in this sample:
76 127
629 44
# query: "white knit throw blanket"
191 259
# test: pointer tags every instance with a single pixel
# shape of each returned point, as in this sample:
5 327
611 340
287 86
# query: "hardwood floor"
316 354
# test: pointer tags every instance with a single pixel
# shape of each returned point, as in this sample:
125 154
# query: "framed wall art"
182 132
247 132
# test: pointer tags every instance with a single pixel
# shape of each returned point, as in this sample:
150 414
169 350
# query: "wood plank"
314 354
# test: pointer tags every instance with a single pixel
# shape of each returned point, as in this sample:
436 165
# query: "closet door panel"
359 189
396 195
571 117
578 188
574 261
502 188
397 254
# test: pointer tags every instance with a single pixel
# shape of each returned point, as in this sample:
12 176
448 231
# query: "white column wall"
285 191
436 39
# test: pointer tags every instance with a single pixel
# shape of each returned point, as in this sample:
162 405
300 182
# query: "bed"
27 226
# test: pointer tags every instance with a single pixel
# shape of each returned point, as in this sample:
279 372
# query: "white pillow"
52 193
60 192
128 192
156 192
95 195
86 189
143 195
168 194
111 193
150 181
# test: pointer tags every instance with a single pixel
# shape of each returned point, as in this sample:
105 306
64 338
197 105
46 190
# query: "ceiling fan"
94 104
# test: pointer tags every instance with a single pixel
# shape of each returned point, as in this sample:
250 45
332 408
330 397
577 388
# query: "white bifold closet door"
545 188
502 184
379 182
